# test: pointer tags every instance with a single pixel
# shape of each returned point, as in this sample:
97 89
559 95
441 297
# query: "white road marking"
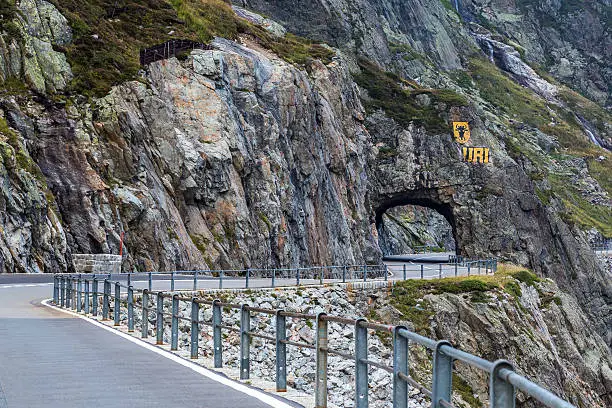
263 397
24 285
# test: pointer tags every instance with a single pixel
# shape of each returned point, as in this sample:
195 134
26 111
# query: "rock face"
404 228
29 51
535 333
570 38
236 158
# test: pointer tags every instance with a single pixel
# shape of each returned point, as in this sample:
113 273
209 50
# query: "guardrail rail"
101 298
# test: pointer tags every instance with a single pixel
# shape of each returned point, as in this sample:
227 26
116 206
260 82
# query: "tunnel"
411 223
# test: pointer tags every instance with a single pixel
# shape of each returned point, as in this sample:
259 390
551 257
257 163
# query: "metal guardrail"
83 295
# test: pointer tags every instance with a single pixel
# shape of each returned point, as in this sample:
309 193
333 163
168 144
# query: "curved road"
51 359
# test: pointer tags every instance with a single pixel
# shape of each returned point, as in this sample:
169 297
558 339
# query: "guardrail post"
129 280
86 296
195 280
144 324
386 271
130 309
94 297
455 267
442 384
56 289
469 267
479 262
321 362
404 269
321 275
245 342
159 325
400 365
195 327
297 277
217 346
365 273
344 274
106 300
117 303
422 270
501 393
273 277
440 271
361 366
246 280
62 291
281 352
68 292
150 281
175 321
221 279
172 281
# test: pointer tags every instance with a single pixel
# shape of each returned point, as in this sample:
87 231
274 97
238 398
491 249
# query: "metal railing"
84 295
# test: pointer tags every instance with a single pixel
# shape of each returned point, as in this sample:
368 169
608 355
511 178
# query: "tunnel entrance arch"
407 222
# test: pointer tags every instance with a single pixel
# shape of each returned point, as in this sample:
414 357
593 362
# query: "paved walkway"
49 359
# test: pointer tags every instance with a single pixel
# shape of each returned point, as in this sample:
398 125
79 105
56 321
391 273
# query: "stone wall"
97 263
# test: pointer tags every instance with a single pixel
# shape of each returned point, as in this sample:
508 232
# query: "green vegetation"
462 78
461 387
398 98
22 157
578 210
406 295
525 107
108 36
408 53
265 220
386 152
499 90
8 12
201 243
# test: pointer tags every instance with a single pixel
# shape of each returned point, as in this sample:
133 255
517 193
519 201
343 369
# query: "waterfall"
592 137
591 133
490 47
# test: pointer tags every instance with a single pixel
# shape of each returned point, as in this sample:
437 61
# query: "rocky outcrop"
509 59
29 51
537 333
570 38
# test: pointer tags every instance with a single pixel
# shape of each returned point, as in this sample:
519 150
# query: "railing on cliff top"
83 294
169 49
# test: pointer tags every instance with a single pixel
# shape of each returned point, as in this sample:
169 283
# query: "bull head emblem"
461 131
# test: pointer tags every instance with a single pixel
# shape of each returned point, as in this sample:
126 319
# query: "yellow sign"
461 130
476 154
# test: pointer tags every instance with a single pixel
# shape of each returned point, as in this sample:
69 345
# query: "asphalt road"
51 359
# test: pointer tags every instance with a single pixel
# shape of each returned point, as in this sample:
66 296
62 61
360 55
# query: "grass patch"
408 53
387 152
406 294
579 211
461 387
398 98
